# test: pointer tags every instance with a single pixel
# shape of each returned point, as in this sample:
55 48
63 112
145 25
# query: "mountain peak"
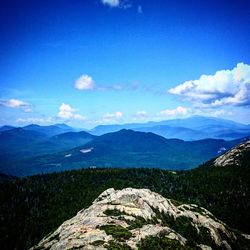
128 218
234 157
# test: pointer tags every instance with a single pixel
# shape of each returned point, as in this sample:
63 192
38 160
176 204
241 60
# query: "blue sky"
90 62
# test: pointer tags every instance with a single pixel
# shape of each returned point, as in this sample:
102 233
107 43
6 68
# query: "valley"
37 149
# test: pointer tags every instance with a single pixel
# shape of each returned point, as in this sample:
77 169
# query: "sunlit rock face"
124 218
234 157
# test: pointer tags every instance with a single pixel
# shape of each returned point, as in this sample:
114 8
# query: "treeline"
32 207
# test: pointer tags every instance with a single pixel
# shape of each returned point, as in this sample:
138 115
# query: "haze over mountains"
192 128
19 143
37 149
128 148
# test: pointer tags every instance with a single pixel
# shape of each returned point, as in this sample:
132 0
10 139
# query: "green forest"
32 207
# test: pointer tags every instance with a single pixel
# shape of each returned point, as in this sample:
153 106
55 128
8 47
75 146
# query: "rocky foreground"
138 219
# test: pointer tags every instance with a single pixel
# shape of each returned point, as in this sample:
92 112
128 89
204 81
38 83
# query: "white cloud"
116 115
222 88
111 117
142 114
13 103
85 82
111 3
67 112
213 112
123 4
174 112
16 104
139 9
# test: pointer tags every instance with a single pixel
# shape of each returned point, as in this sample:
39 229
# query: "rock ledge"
126 217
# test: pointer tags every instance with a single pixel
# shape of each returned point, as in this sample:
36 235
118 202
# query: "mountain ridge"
192 128
127 148
18 143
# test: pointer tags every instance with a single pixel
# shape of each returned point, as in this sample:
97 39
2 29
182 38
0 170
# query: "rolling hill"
49 130
126 149
18 143
72 139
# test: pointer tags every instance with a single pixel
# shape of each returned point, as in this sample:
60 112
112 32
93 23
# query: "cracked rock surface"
234 156
127 216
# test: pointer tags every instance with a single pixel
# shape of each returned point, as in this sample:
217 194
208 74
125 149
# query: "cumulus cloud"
69 113
13 103
174 112
223 88
85 82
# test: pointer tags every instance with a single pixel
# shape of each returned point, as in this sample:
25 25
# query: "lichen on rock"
131 217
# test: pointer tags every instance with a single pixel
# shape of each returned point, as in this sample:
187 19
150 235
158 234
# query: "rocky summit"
234 157
138 219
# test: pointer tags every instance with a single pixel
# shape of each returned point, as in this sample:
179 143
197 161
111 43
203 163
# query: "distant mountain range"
35 149
189 129
125 148
20 143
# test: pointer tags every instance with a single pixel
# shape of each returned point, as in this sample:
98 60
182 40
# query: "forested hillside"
122 149
34 206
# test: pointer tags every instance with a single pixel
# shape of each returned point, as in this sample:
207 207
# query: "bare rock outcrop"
234 156
126 217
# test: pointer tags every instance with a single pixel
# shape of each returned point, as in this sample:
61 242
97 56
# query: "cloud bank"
225 87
